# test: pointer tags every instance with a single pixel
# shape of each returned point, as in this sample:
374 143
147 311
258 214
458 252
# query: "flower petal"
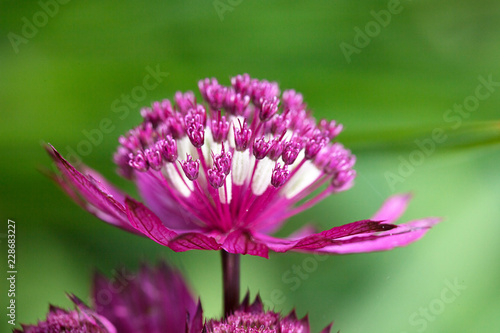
356 228
91 192
325 238
403 235
154 300
193 241
306 230
159 200
245 243
147 222
144 220
327 329
195 324
393 208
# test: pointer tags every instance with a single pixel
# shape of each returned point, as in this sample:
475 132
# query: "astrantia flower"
156 300
227 173
81 320
251 318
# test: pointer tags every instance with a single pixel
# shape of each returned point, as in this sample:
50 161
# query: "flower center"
246 156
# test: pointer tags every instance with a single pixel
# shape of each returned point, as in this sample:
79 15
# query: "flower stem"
230 281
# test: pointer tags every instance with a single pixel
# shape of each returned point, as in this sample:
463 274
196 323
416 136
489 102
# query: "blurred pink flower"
155 300
82 319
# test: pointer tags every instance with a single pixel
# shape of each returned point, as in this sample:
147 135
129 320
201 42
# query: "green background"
399 87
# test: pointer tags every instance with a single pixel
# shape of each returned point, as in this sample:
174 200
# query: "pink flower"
155 300
228 173
83 320
252 318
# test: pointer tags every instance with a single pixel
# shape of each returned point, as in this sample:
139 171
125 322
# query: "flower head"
155 300
227 173
80 320
251 318
150 301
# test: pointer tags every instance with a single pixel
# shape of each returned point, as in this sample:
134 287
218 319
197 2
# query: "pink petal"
355 228
150 225
244 243
303 232
193 241
403 235
325 238
392 208
103 184
276 244
89 193
160 201
312 242
327 329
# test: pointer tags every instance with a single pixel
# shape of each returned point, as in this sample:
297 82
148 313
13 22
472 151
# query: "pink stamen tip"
220 128
138 161
292 100
242 84
314 145
222 161
280 175
216 177
263 90
185 101
291 151
275 150
191 167
242 136
330 128
236 103
343 177
260 148
168 148
280 123
154 158
268 108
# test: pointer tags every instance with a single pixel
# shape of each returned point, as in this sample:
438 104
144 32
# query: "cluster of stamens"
245 138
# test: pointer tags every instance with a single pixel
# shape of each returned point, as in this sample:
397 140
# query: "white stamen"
184 147
288 135
299 159
262 176
302 179
177 182
209 146
222 191
241 166
233 123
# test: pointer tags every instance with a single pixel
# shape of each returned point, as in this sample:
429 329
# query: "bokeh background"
63 77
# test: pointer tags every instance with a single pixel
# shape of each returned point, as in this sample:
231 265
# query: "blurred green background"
62 78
